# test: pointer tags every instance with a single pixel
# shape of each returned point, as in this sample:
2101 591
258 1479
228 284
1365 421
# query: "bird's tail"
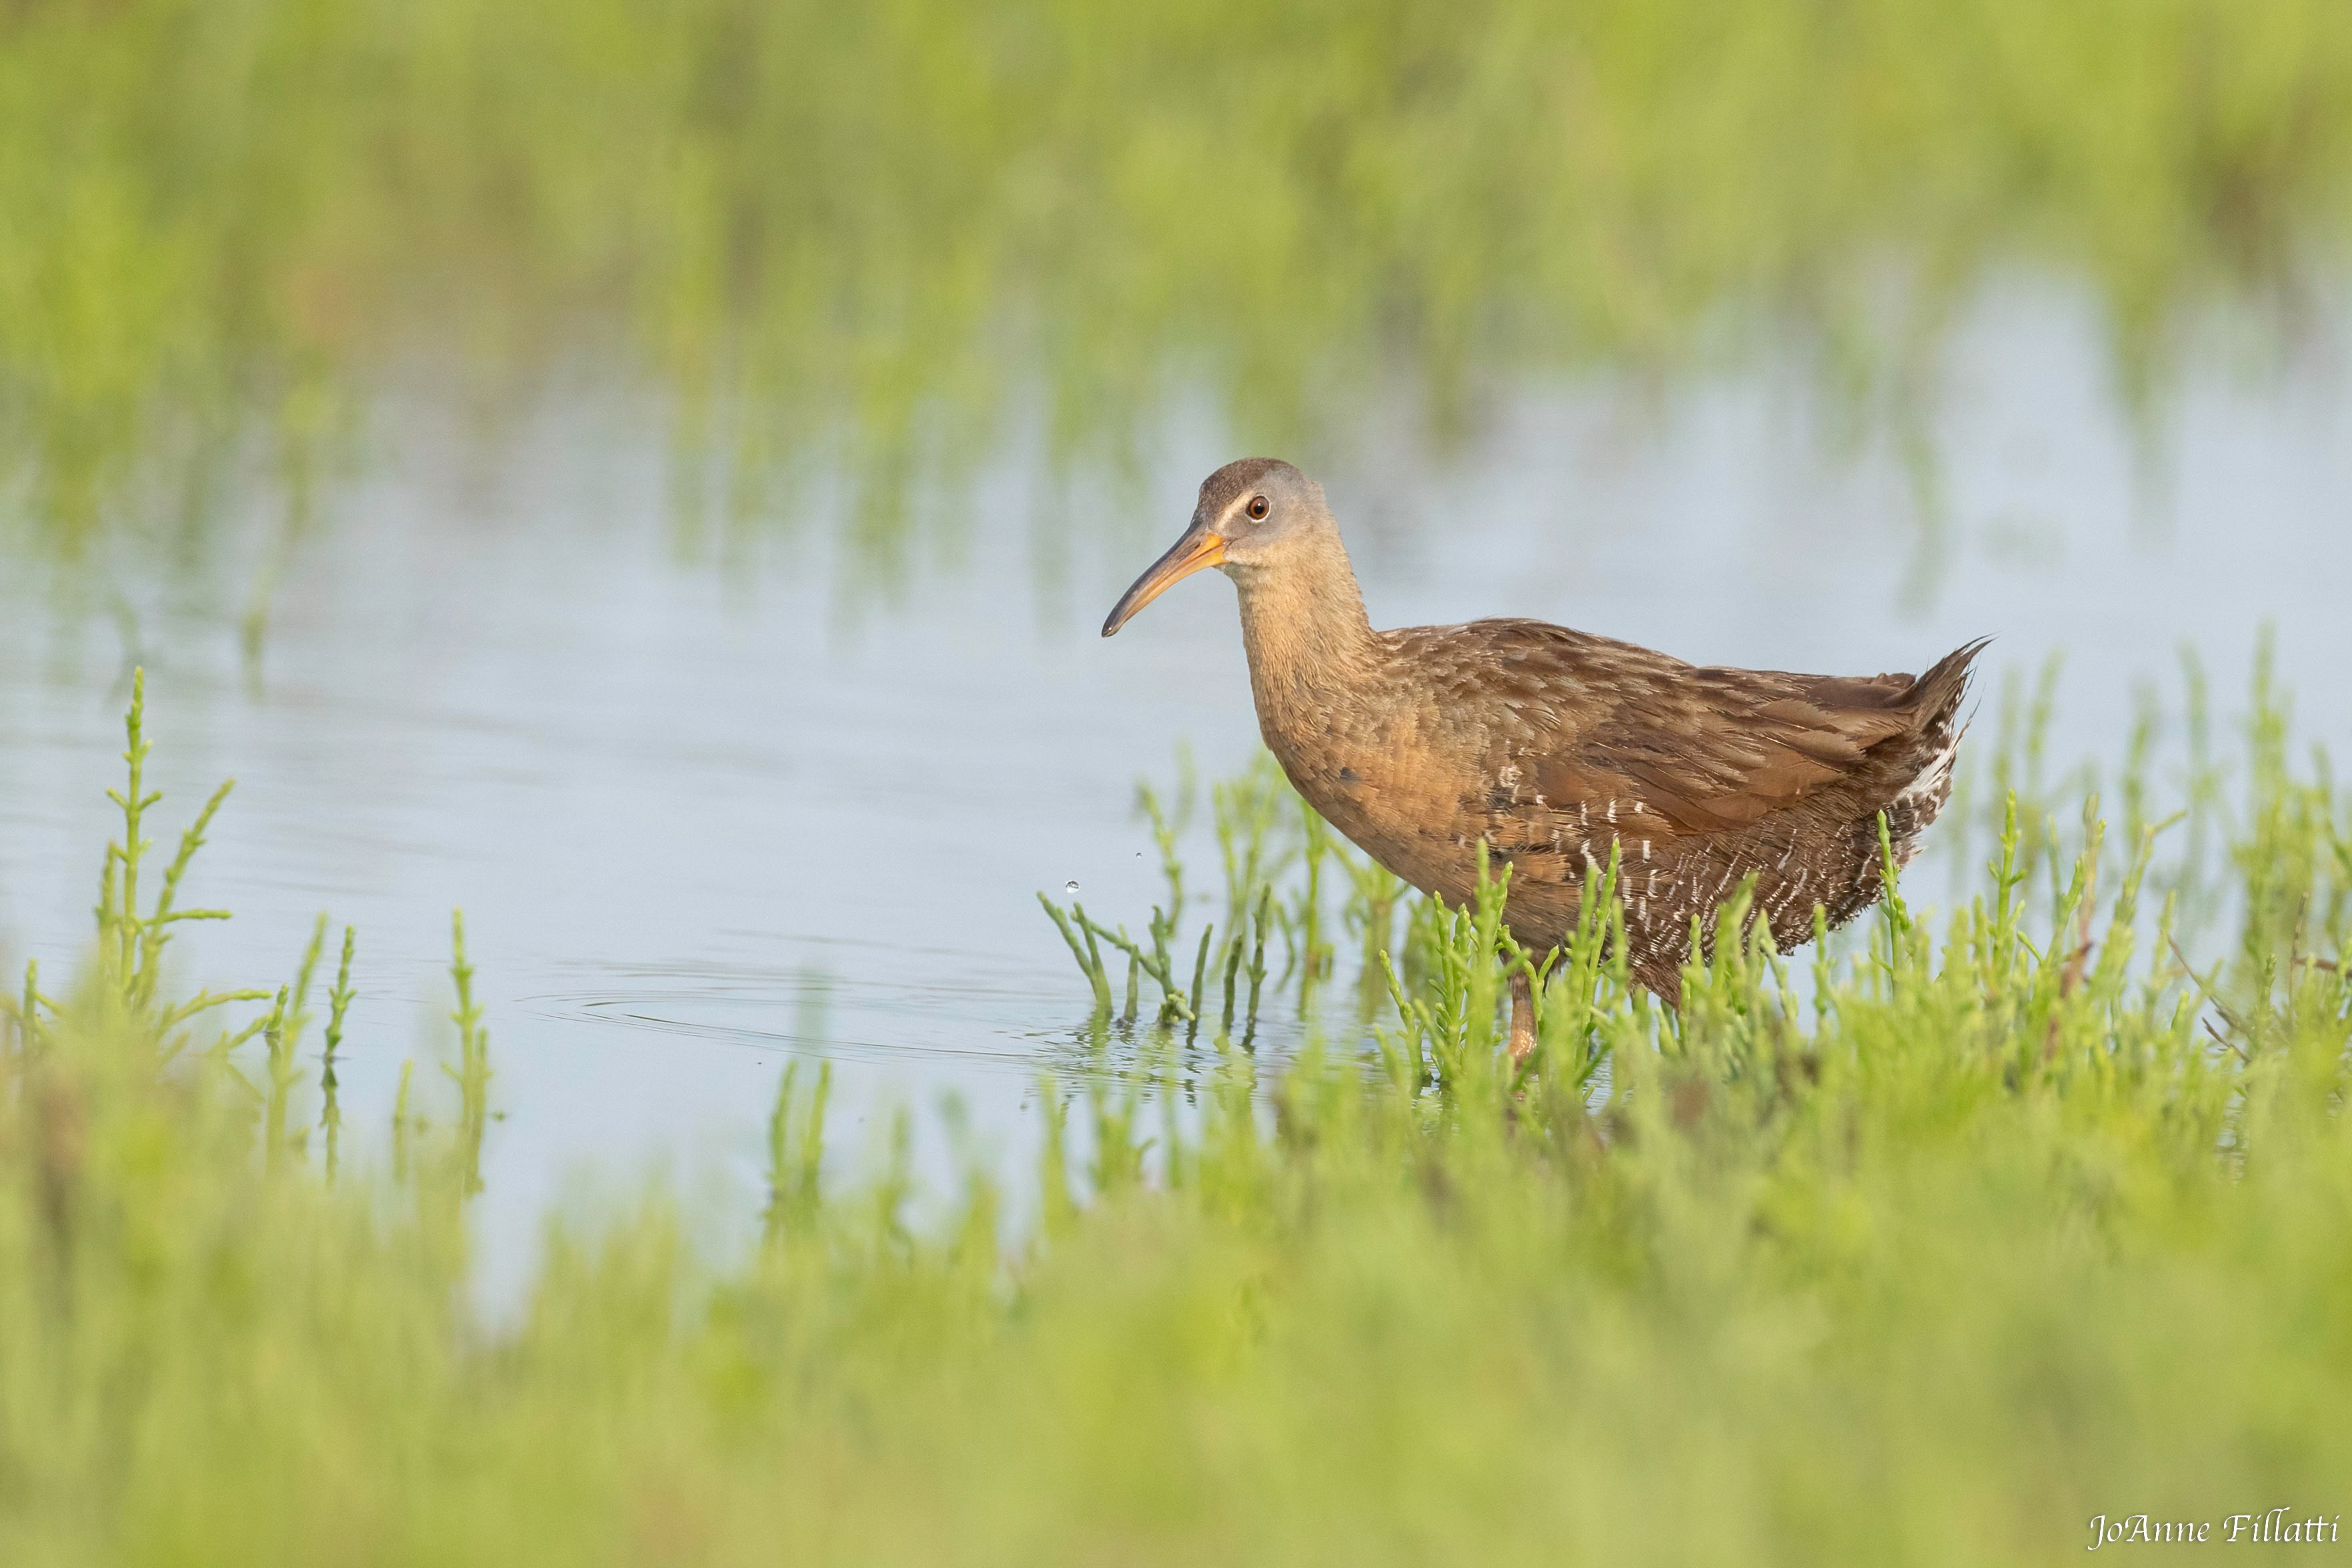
1938 696
1939 693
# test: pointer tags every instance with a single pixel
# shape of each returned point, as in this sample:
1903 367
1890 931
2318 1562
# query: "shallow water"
702 817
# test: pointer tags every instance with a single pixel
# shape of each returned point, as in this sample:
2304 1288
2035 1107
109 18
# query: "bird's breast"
1376 789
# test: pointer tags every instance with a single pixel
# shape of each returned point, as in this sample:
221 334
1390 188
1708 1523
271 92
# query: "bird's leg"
1523 1016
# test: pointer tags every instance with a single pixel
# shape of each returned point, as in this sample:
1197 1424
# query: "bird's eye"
1258 506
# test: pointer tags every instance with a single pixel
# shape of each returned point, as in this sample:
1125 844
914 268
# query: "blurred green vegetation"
865 235
1927 1253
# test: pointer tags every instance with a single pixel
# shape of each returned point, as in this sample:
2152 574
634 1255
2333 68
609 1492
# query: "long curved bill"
1201 547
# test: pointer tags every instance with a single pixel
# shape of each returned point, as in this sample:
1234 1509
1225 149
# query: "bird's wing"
1733 748
1707 749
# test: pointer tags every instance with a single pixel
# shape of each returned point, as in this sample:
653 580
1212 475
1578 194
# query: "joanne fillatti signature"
2279 1525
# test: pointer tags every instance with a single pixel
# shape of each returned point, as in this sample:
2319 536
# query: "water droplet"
1071 889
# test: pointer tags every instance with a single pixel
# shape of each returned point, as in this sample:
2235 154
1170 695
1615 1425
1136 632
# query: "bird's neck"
1308 640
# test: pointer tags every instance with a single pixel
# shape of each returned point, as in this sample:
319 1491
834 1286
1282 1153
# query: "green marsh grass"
860 239
1926 1246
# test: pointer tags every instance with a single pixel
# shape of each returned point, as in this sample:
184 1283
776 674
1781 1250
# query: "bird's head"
1253 514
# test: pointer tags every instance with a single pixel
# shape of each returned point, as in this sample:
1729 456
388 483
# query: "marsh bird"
1552 747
